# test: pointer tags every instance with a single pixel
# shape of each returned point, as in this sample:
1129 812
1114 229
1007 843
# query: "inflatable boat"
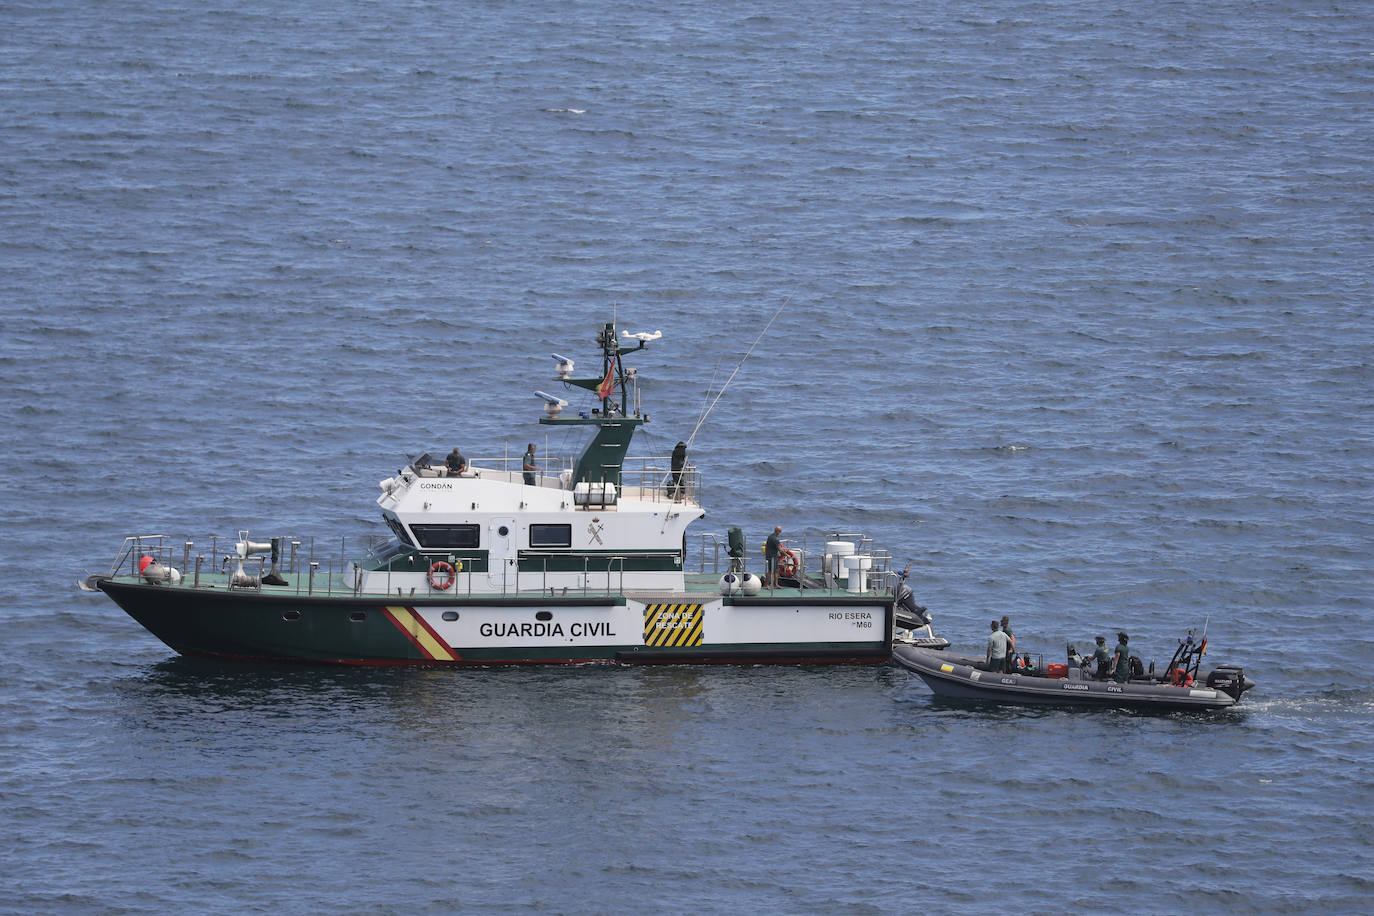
1180 686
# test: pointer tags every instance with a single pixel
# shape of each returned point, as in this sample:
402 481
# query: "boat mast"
602 459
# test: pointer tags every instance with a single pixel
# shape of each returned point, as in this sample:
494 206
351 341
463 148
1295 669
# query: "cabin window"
291 615
399 530
550 536
358 616
450 615
461 537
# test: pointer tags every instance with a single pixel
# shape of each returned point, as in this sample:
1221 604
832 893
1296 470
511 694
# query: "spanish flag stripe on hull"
421 634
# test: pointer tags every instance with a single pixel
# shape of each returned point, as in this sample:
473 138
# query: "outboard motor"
908 614
1229 679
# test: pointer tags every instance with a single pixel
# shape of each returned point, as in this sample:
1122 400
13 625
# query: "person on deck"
1103 659
527 465
771 548
676 464
1121 660
997 650
1011 643
455 462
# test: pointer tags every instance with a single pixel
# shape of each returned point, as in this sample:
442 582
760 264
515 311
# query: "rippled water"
1073 312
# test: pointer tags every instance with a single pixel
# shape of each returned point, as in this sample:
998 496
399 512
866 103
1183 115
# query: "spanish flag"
607 386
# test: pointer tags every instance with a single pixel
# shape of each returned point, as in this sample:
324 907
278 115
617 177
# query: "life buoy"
787 563
1182 678
441 575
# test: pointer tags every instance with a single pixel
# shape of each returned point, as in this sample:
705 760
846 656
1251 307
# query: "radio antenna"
720 393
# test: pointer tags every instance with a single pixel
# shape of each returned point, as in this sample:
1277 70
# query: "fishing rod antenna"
721 393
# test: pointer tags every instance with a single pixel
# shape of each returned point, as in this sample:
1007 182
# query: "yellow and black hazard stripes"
672 625
421 634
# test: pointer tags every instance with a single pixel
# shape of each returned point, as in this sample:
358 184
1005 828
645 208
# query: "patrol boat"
583 560
1180 686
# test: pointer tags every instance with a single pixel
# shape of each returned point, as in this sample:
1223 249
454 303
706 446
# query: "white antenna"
740 366
705 405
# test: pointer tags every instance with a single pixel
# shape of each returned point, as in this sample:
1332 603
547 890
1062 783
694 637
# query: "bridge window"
550 536
462 537
399 530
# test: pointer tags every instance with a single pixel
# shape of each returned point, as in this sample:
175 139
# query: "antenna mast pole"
721 393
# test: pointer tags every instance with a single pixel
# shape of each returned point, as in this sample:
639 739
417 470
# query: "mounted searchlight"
245 548
565 367
552 406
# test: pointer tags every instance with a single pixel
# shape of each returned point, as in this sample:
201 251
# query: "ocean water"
1070 309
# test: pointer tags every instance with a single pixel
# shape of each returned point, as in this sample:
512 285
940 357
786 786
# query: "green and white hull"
283 625
510 561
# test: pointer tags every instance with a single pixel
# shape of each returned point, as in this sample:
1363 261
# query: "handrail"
310 572
651 476
716 543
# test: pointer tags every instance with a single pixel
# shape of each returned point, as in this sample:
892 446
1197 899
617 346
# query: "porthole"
291 615
450 615
358 616
503 531
544 615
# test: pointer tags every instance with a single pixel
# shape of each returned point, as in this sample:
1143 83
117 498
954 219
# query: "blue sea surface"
1071 310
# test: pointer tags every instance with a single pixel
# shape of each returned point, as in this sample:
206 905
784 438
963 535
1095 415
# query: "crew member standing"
771 548
527 465
1011 643
677 463
1121 660
997 649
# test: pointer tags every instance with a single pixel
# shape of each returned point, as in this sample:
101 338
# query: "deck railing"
301 560
713 555
312 568
648 478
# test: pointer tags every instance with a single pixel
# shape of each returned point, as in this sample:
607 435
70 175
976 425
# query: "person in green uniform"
455 462
1011 644
676 465
771 547
1103 658
528 466
997 649
1121 659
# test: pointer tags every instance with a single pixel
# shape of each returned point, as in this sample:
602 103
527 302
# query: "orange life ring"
787 563
441 575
